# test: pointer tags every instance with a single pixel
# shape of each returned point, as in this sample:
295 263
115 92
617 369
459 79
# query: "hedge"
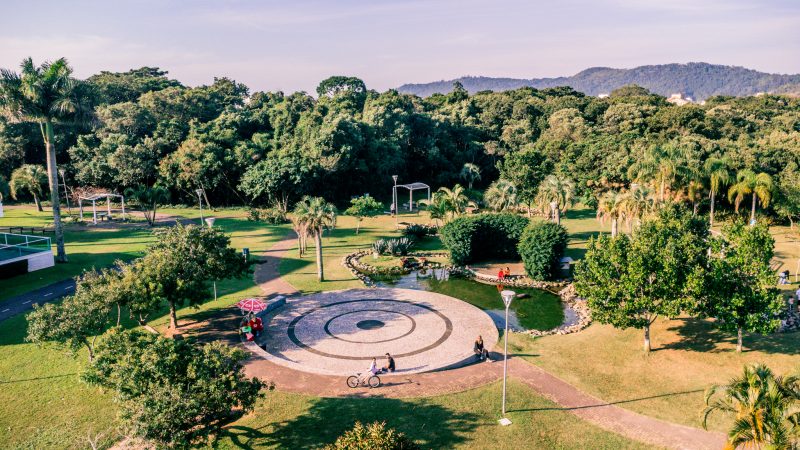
483 236
541 247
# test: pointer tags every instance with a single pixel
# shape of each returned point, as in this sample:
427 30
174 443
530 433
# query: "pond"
539 310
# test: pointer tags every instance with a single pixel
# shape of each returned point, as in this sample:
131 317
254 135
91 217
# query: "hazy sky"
292 45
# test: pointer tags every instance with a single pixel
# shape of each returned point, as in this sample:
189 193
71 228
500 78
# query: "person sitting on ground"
507 272
389 367
501 275
480 351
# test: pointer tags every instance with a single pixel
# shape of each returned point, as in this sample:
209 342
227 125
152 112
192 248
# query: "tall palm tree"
47 95
694 193
29 178
748 182
662 165
316 215
556 192
611 206
470 173
456 200
764 405
718 172
501 195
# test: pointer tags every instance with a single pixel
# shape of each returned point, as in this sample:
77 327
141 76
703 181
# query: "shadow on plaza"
432 426
701 335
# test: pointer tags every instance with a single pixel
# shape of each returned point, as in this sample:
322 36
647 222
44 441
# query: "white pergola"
107 196
411 188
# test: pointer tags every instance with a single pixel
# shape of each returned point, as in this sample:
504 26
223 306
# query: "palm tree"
437 207
28 178
611 206
694 193
748 182
47 95
765 407
316 215
470 173
556 192
718 173
456 200
661 165
637 203
501 195
148 198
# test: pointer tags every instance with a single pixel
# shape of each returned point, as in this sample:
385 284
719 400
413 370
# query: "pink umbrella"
251 305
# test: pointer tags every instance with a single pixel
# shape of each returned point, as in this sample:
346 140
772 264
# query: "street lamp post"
394 200
508 296
199 193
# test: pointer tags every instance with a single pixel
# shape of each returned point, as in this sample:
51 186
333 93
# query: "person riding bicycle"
373 369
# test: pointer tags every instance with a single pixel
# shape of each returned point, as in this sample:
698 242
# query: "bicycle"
354 381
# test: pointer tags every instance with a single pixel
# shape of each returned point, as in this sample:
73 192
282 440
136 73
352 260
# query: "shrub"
484 236
271 216
541 247
399 246
372 436
418 231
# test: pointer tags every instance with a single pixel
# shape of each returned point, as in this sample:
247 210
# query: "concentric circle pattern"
339 333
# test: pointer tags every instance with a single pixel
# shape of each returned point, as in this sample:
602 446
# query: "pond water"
539 310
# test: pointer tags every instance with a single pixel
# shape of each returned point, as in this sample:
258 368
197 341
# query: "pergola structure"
107 196
411 188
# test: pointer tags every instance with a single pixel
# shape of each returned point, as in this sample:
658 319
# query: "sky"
292 45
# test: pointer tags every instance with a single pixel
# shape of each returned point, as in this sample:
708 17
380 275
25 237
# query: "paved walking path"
607 416
24 302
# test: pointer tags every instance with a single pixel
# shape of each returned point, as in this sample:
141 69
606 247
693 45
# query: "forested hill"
698 80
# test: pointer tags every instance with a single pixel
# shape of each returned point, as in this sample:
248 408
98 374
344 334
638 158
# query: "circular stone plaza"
338 333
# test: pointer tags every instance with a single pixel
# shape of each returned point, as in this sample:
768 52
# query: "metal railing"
17 245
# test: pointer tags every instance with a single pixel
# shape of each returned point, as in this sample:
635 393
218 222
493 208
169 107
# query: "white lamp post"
199 193
508 296
394 200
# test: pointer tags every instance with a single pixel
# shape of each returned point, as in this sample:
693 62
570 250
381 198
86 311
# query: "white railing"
17 245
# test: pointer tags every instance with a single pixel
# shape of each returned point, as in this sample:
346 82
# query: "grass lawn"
463 420
44 404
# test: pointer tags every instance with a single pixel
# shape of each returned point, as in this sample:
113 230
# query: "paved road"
24 302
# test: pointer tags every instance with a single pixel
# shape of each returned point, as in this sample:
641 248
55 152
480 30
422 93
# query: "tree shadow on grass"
700 335
430 425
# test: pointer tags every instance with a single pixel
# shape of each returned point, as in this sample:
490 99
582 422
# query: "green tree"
470 173
47 95
501 195
456 200
438 208
526 169
662 165
556 195
630 281
364 206
719 175
740 292
759 185
787 196
178 268
170 392
316 215
373 436
28 178
763 406
148 199
76 321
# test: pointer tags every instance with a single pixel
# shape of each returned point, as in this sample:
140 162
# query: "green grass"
541 310
463 420
45 405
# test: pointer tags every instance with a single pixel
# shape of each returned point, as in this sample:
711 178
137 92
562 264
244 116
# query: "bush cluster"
483 236
271 216
373 436
399 246
541 247
418 231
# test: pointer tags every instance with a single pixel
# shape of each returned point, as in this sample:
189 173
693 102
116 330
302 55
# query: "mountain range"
697 80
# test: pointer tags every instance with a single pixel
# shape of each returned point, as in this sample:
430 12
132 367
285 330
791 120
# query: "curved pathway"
607 416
